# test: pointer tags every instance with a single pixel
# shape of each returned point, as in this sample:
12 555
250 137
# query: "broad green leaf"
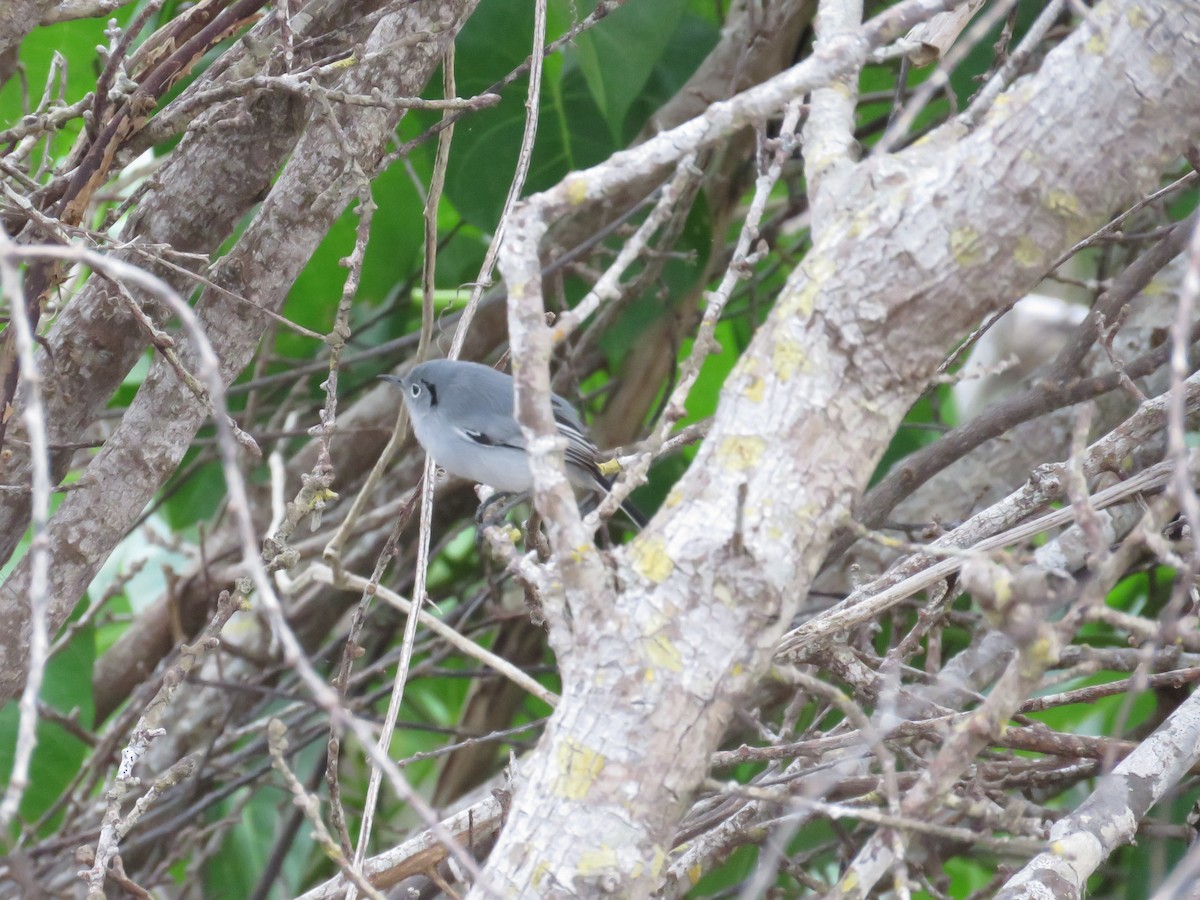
572 133
247 845
689 44
618 54
397 235
66 687
570 136
196 497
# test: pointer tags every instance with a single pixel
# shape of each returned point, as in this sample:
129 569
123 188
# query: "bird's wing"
580 449
502 437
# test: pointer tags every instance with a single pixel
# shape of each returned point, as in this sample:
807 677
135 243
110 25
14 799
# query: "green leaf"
572 132
967 77
911 436
635 35
195 497
247 846
689 44
702 401
67 688
397 236
571 135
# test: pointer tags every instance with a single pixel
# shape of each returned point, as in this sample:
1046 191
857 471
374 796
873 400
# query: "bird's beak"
394 379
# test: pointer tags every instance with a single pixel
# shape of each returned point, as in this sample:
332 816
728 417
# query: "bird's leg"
484 516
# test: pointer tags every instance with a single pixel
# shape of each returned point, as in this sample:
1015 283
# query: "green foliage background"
590 108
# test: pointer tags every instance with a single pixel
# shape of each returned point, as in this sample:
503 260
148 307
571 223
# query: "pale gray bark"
919 246
1111 815
756 43
988 473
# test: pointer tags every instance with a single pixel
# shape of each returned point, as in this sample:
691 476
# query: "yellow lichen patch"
1097 44
695 873
806 297
1027 254
722 594
1162 65
650 560
578 768
807 512
820 267
1137 17
324 496
674 496
966 247
662 653
1062 203
540 872
738 453
818 271
609 468
656 864
824 161
788 358
754 391
1043 653
593 862
1002 590
577 190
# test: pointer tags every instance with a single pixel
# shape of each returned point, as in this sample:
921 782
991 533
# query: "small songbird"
462 414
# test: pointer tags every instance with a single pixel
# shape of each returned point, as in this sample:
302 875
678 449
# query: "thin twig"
277 744
34 415
940 79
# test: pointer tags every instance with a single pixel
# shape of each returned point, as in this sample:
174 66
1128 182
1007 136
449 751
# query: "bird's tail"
634 514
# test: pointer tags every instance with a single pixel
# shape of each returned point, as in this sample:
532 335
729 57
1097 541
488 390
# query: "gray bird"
462 414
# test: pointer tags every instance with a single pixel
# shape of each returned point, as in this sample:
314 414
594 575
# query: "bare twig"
33 414
311 807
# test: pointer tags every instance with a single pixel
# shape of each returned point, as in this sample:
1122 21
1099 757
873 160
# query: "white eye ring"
415 390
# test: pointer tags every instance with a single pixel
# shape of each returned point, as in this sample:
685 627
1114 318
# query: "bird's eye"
416 390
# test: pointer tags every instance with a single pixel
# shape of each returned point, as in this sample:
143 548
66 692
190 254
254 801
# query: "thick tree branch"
922 244
154 435
1081 840
17 19
219 171
829 145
